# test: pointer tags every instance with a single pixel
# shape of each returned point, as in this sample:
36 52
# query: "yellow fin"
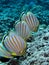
13 54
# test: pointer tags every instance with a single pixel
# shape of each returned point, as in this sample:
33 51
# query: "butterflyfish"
22 30
31 20
14 44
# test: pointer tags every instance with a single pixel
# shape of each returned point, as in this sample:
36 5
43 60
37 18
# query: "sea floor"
37 52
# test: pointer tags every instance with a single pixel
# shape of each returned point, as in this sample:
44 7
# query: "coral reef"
38 50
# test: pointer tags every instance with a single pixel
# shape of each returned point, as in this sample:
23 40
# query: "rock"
13 62
45 63
46 36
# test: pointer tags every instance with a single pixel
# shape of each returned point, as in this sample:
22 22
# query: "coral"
38 50
10 11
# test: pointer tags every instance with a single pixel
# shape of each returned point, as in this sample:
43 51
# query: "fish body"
22 30
31 20
14 44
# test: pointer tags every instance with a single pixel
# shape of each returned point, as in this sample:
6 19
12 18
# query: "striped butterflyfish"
14 44
22 30
31 20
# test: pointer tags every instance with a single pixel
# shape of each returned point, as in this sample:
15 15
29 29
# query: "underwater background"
37 50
